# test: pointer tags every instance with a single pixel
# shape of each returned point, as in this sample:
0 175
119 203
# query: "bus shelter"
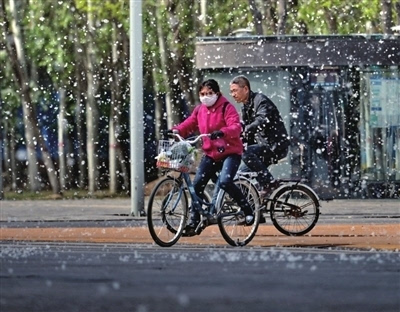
339 97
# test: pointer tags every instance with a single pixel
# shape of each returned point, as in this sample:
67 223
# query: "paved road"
100 277
92 255
363 224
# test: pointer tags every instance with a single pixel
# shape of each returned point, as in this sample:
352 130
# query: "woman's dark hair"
210 83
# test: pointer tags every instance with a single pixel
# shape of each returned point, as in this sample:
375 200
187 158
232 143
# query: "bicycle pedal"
201 226
213 220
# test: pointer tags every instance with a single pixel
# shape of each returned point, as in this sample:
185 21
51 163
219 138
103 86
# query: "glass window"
380 124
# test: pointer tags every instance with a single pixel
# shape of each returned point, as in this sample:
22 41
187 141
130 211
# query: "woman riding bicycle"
222 150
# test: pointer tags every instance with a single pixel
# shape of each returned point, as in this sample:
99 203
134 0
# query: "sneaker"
189 231
249 220
211 218
245 220
262 219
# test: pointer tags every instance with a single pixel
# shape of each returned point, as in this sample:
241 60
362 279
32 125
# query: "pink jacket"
208 119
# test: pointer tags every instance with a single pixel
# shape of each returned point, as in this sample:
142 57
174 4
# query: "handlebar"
192 141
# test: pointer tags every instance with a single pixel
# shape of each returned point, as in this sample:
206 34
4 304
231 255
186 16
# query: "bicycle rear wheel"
294 210
167 212
235 233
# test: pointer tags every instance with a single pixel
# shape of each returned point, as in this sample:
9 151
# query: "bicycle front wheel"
294 210
230 225
167 212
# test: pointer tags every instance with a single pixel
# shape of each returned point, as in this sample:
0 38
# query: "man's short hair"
241 81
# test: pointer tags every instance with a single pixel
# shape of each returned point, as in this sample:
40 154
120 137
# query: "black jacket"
261 116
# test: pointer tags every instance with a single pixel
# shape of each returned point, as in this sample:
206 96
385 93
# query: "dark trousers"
227 169
257 158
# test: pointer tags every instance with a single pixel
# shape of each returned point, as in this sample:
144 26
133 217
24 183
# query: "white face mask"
209 100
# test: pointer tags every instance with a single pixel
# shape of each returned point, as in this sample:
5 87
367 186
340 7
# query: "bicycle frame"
197 202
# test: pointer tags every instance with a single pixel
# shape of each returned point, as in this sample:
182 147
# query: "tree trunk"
33 136
92 130
122 75
30 143
116 159
17 57
61 136
257 17
282 16
161 120
91 109
171 118
330 17
114 115
386 16
10 154
80 129
48 161
204 19
80 111
1 151
270 16
6 152
112 156
182 66
124 169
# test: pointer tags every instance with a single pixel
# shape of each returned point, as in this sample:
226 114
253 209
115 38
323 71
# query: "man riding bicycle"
264 132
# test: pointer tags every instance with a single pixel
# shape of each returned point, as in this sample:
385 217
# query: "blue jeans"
227 168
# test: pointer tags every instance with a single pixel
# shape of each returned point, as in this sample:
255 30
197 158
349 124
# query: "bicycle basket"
178 156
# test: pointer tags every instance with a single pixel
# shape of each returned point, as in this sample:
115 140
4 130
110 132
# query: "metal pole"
1 151
136 108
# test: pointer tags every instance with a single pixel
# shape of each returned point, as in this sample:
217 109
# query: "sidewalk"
120 209
360 224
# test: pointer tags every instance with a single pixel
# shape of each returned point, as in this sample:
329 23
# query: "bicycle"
169 201
294 207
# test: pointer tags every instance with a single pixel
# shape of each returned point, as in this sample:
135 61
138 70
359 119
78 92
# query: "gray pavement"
359 224
120 209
